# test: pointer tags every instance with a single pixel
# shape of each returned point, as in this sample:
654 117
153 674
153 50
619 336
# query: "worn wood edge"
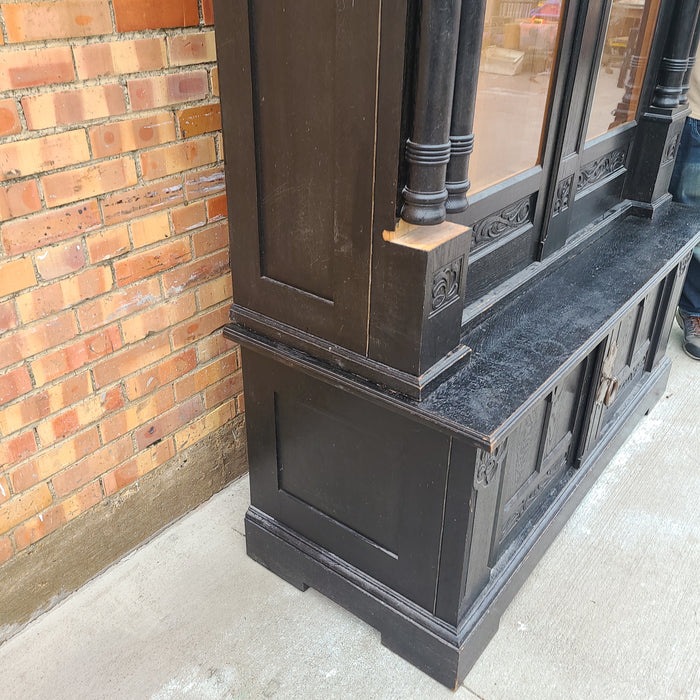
442 651
39 577
424 237
248 324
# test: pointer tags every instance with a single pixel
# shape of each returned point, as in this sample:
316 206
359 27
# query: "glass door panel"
630 31
515 81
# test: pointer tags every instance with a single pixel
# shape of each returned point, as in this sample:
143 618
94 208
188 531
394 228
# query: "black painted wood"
427 404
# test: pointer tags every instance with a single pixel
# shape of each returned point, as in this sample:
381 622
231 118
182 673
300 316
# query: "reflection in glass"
623 64
517 60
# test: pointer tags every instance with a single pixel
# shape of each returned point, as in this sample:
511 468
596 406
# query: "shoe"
691 331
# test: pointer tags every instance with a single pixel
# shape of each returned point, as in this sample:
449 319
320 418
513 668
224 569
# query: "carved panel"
509 219
488 465
599 169
562 196
530 496
445 287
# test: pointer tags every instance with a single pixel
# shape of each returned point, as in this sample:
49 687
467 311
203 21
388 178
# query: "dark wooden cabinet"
436 370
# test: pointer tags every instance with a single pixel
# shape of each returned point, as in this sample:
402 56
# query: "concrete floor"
610 612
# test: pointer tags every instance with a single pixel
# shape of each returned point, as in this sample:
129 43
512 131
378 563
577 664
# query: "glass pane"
518 54
623 64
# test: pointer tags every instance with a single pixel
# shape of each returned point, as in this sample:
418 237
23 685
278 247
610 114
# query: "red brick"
217 208
142 200
80 416
160 374
51 298
5 494
14 384
215 81
120 57
51 519
59 260
130 134
214 292
210 421
9 118
196 272
6 551
198 120
59 19
137 414
8 316
73 106
206 376
210 239
137 466
169 422
22 507
159 317
92 180
131 360
73 357
135 15
110 307
19 199
208 12
30 67
92 466
224 390
32 340
53 460
150 229
162 90
15 449
189 217
197 47
175 158
152 261
199 327
15 275
21 158
38 405
214 345
107 244
240 403
50 227
205 183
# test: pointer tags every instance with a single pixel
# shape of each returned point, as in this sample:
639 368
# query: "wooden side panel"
364 483
299 93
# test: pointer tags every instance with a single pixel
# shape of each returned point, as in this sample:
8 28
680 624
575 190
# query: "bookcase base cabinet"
428 575
422 530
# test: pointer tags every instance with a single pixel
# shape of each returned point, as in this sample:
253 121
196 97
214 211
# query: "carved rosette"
562 196
510 218
671 148
488 465
599 169
445 288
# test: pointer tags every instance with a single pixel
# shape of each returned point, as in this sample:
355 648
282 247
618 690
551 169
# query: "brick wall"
114 254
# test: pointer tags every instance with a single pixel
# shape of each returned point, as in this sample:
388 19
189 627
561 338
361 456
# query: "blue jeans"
685 187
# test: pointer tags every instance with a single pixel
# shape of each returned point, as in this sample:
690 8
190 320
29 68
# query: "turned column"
471 30
428 148
674 64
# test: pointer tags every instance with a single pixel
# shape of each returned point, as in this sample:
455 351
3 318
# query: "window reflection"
623 64
518 55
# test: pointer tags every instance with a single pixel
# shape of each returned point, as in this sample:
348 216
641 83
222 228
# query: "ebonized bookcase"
435 373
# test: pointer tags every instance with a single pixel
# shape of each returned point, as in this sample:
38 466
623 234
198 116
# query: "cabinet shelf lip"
349 381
